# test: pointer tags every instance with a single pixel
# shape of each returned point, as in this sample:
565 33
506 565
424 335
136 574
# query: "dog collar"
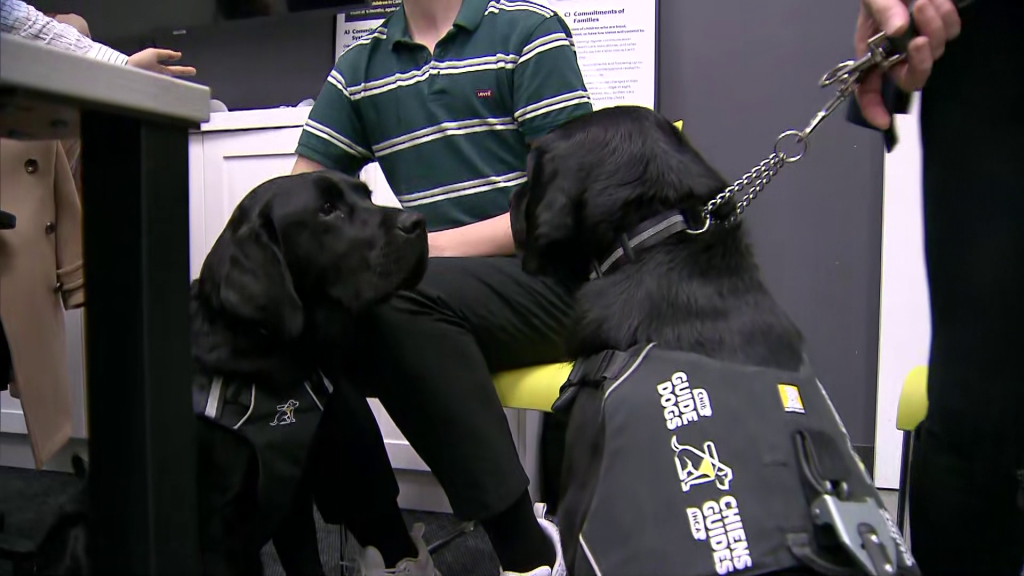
646 235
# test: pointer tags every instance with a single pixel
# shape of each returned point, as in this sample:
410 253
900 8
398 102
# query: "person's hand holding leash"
152 59
937 22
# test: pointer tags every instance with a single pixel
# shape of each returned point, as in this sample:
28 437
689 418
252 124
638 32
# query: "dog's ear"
550 213
701 181
249 279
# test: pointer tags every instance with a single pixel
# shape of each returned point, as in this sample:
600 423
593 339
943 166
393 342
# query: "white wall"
905 324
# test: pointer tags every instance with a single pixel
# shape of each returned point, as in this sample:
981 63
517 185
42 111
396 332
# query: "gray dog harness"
278 425
689 466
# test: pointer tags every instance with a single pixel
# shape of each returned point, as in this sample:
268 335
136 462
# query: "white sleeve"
20 19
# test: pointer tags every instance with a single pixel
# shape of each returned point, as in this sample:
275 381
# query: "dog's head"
599 176
309 239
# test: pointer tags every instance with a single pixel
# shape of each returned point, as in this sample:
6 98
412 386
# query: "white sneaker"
540 509
369 562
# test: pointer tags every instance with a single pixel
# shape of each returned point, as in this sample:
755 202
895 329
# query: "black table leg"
141 429
7 220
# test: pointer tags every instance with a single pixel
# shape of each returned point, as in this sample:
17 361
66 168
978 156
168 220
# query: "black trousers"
963 511
428 356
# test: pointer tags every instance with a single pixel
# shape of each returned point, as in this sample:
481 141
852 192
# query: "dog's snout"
411 223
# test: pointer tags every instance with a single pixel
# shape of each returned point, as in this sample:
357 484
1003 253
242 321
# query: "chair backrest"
913 405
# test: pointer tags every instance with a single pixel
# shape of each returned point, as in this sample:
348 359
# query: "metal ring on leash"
801 139
707 224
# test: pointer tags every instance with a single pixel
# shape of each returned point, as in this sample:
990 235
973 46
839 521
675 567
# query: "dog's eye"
328 208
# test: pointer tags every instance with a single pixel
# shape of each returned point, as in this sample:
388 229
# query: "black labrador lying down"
615 201
299 257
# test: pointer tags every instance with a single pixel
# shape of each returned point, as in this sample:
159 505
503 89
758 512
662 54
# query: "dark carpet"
29 501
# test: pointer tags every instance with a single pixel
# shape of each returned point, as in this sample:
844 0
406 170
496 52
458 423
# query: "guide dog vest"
679 464
278 424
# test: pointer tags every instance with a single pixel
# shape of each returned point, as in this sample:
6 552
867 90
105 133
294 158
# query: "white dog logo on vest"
708 468
285 413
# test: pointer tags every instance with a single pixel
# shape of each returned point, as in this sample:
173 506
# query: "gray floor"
29 498
890 499
468 555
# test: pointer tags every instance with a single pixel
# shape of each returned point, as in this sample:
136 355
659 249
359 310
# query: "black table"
133 127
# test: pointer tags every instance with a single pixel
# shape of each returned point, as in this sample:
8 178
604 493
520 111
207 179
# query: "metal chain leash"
882 53
756 179
761 175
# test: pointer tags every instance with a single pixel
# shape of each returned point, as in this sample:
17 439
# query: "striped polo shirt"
451 130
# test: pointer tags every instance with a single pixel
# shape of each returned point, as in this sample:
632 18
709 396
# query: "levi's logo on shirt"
487 93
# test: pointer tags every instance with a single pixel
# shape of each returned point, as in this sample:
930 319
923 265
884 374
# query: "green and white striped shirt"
451 130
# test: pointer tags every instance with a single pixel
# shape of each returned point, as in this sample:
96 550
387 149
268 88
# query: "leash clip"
862 531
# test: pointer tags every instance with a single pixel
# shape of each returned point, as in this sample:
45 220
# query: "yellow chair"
531 388
911 410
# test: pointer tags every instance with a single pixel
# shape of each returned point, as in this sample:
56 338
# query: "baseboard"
419 490
867 456
12 421
404 457
16 452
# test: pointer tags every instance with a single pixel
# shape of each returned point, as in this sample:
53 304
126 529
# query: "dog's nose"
411 222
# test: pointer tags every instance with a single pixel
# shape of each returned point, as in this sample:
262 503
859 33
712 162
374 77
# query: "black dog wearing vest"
699 440
299 257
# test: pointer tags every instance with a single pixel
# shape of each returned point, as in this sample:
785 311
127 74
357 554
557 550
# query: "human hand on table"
152 59
937 22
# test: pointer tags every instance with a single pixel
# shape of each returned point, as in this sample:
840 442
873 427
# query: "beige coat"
40 277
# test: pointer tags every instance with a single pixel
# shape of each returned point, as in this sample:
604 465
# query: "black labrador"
298 259
598 177
594 180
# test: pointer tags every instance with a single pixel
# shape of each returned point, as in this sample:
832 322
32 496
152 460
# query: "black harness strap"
591 371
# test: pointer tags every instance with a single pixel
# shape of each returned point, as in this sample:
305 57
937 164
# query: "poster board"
616 44
353 24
